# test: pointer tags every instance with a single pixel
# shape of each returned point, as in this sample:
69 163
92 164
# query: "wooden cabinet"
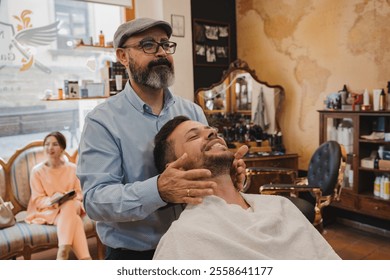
348 127
284 161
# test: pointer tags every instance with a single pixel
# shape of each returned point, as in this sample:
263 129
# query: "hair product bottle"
382 100
386 192
377 186
388 96
101 39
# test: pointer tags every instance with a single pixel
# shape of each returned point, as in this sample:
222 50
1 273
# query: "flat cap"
135 26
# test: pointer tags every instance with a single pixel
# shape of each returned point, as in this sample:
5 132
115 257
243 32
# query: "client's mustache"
161 61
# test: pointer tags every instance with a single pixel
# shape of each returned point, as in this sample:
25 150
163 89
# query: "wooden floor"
348 242
354 244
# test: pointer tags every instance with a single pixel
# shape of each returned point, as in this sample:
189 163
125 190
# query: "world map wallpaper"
312 48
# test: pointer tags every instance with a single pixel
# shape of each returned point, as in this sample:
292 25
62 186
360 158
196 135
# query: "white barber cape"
273 228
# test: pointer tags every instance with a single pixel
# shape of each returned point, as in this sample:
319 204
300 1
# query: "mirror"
240 92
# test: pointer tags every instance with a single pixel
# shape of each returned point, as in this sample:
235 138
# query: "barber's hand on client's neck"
177 185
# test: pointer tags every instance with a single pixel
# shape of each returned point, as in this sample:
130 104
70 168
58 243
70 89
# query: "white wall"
149 8
184 81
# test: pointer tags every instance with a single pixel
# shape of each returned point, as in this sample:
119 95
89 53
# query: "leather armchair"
321 186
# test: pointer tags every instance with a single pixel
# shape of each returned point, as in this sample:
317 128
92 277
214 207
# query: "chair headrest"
324 167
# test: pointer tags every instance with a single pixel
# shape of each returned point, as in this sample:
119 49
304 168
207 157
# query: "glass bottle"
376 162
344 95
377 186
380 151
101 39
382 100
388 96
386 193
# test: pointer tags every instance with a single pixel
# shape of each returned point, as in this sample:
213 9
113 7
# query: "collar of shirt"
141 106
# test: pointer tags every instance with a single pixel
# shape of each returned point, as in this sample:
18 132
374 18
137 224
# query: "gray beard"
156 77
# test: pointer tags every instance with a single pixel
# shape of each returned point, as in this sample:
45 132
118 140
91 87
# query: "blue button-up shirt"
117 172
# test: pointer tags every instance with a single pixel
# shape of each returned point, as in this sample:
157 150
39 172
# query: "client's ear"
169 163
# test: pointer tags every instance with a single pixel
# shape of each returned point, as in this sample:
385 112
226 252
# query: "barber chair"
321 186
259 176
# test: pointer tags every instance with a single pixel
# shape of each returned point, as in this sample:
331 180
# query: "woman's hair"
163 150
60 138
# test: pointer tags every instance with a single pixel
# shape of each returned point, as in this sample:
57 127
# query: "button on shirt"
117 173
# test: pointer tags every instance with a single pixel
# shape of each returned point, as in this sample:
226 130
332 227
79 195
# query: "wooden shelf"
374 141
94 48
374 170
360 197
75 99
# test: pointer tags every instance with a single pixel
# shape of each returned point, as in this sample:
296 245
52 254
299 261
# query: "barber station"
194 130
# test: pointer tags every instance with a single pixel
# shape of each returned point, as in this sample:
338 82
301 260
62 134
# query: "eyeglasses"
151 47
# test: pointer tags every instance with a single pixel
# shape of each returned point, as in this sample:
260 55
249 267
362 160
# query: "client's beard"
217 164
158 73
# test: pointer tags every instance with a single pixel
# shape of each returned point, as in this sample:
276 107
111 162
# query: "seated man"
229 224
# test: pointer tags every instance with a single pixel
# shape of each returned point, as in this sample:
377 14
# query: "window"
33 67
74 18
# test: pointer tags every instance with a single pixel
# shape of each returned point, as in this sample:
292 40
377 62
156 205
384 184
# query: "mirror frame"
231 94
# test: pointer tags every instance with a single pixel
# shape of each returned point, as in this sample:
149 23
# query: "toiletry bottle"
345 89
377 186
366 97
376 162
382 187
382 100
350 178
386 190
388 96
101 39
381 150
344 95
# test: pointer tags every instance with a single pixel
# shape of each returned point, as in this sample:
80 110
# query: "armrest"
289 188
293 190
264 174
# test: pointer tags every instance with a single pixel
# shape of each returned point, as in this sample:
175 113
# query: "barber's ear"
121 55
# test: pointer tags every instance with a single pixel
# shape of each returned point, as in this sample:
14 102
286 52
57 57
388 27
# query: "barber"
133 204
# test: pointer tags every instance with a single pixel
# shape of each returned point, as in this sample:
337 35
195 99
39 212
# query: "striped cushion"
38 235
11 241
14 239
42 235
20 173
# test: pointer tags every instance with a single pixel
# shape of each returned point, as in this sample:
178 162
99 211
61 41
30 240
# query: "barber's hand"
239 168
176 185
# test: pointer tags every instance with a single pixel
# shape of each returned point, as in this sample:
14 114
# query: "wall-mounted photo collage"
211 43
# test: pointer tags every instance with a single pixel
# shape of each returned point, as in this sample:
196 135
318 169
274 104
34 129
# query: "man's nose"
212 134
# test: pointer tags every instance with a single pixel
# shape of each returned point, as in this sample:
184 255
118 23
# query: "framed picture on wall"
177 23
211 43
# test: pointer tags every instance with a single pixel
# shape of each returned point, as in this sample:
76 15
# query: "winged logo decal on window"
24 39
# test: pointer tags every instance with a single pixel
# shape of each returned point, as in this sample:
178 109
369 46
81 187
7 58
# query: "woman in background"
49 180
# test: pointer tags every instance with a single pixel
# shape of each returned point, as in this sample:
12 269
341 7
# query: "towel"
272 228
